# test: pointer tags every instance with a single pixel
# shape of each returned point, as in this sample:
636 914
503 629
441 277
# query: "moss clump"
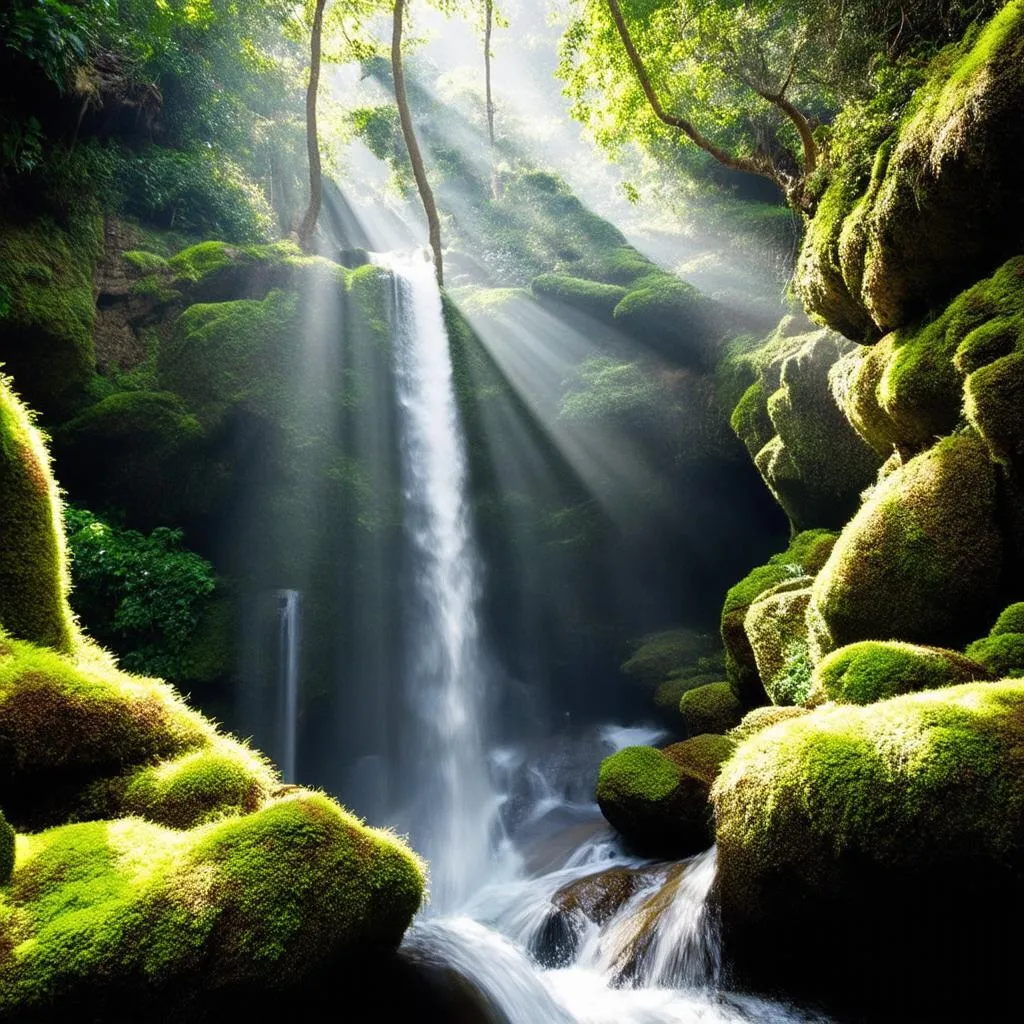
831 821
129 445
659 655
921 560
669 693
64 723
590 297
213 782
7 846
33 563
995 396
659 802
1011 620
750 420
47 310
776 626
669 315
703 755
874 670
146 263
806 554
710 708
1001 655
763 718
259 902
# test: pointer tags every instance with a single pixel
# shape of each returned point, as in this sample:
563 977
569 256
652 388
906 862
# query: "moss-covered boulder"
259 902
806 554
776 626
668 315
763 718
591 297
921 561
711 708
658 799
46 308
813 461
658 656
1001 655
941 205
7 843
33 563
129 445
874 670
909 810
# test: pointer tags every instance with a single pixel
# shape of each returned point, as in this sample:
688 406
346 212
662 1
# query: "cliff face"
834 821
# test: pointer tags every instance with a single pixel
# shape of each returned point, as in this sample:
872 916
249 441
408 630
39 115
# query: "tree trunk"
488 24
316 181
415 157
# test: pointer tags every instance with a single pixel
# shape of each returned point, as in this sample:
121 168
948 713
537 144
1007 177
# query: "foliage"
140 595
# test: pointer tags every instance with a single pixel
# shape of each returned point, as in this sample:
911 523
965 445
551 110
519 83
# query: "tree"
316 182
411 144
488 27
747 83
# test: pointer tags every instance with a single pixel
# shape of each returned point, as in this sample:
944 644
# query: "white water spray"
289 615
450 802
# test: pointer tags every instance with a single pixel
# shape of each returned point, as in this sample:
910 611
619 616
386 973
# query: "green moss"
129 445
47 309
1011 620
829 805
874 670
703 755
921 560
659 655
670 692
64 723
622 265
198 261
750 421
145 262
1002 654
33 563
660 807
669 315
590 297
7 844
776 627
994 397
805 555
260 901
763 718
712 708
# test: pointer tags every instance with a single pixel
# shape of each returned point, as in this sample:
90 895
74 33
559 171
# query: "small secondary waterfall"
449 805
289 613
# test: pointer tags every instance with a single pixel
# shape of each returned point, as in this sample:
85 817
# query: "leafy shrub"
142 596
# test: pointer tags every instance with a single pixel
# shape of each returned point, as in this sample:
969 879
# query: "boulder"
921 561
763 718
776 626
711 708
874 670
908 811
658 799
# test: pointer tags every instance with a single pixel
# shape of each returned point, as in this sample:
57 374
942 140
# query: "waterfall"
289 616
449 805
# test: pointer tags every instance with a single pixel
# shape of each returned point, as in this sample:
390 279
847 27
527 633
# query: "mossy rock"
126 447
994 397
47 310
669 693
849 815
940 206
668 315
591 297
874 670
100 912
921 561
65 722
7 845
712 708
812 459
763 718
776 626
33 561
659 655
659 803
806 554
1001 654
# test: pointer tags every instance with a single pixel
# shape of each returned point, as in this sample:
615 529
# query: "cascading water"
495 921
449 805
289 613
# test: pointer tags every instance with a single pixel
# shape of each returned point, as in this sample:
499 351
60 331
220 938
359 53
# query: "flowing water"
289 617
498 917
